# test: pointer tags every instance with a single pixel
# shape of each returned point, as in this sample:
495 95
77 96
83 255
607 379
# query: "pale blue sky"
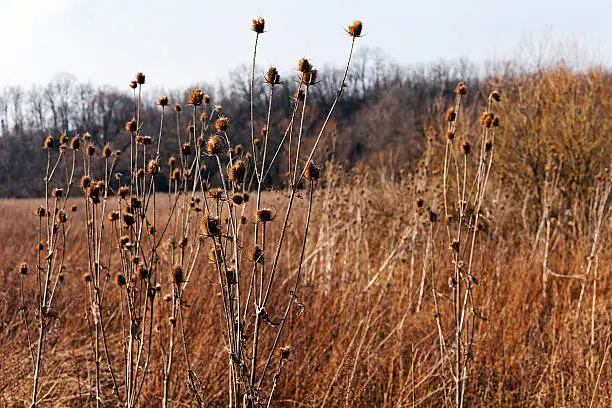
177 43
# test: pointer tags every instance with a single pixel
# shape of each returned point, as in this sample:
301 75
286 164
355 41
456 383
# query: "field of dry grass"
480 278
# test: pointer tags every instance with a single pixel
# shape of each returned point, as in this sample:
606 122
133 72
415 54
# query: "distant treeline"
386 110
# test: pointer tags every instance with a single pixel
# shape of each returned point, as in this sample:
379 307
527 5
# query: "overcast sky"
176 43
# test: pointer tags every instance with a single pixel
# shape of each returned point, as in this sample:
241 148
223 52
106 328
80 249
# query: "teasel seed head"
215 144
304 66
90 150
203 117
448 219
75 143
238 149
495 95
113 215
496 121
23 269
488 145
432 216
177 108
128 218
215 193
176 174
186 149
243 220
131 126
461 89
63 138
73 208
153 167
163 101
451 115
420 202
222 124
309 78
312 172
258 25
49 142
284 352
211 227
264 215
120 280
237 171
215 253
272 76
142 272
236 199
176 274
107 152
167 297
450 135
245 197
87 136
123 192
196 97
135 202
61 217
354 30
256 255
57 192
454 245
87 277
41 212
171 162
124 242
133 84
140 78
465 147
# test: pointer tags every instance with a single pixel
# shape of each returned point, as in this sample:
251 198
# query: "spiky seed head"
128 218
73 208
87 277
215 144
124 242
258 25
153 167
264 215
61 217
284 352
215 253
203 117
63 138
123 192
171 162
465 147
131 126
57 192
245 197
451 115
243 220
120 280
215 193
222 124
163 101
309 78
135 202
238 149
211 226
113 215
432 216
23 269
495 95
176 174
272 76
87 136
488 145
312 172
177 108
176 274
450 135
49 142
495 121
142 272
75 143
237 198
41 212
420 202
167 297
461 89
133 84
454 245
186 149
256 255
299 95
304 66
140 78
107 152
448 219
196 97
238 171
90 150
354 29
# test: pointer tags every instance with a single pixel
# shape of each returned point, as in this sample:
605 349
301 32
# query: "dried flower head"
451 115
23 269
87 136
304 66
176 174
258 25
450 135
176 274
177 108
186 149
299 95
48 144
61 217
87 277
461 89
354 29
211 226
203 117
222 124
113 216
264 215
245 197
215 144
41 212
256 255
90 150
140 78
488 145
124 242
142 272
153 167
272 76
465 147
238 171
106 152
312 172
128 218
163 101
420 202
495 95
57 192
75 143
171 162
236 198
309 78
123 192
432 216
120 280
196 97
133 84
